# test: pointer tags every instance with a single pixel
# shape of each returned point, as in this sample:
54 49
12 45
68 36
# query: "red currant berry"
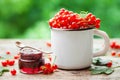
11 62
62 9
41 68
4 63
58 18
7 61
74 25
63 23
93 18
113 44
13 72
97 21
72 17
113 53
118 54
16 56
45 71
117 46
91 22
51 23
109 64
88 15
48 44
50 70
47 65
8 52
66 12
97 26
54 66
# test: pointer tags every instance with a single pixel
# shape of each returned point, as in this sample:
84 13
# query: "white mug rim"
59 29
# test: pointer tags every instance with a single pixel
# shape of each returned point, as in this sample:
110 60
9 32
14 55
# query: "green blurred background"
29 18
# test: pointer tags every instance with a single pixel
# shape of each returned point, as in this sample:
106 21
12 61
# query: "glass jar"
30 61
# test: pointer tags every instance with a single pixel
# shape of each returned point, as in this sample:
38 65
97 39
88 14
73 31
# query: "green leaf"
5 70
109 71
96 71
99 66
83 14
96 61
100 61
1 73
101 70
2 70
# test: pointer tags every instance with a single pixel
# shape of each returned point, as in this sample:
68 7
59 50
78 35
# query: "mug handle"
106 42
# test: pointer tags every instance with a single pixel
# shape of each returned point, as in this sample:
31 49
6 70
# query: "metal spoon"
21 46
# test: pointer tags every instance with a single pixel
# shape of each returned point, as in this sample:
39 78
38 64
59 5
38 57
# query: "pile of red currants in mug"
66 19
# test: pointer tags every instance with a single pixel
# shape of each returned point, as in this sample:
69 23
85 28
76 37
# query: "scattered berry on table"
11 62
113 53
118 54
16 57
48 44
48 68
109 64
13 72
4 63
115 45
8 52
7 62
115 49
112 45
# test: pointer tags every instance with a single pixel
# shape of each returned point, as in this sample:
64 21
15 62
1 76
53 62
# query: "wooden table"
9 45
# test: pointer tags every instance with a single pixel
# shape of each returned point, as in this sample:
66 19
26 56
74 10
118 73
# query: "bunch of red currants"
48 68
115 49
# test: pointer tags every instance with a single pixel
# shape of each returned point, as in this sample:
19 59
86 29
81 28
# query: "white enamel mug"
74 49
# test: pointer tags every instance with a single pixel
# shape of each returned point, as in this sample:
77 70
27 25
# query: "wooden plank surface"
9 45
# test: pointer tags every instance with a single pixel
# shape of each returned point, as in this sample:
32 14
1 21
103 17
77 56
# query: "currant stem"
53 61
115 67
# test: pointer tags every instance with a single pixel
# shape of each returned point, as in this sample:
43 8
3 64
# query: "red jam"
30 61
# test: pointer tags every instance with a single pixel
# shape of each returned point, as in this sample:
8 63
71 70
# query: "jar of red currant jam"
30 60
